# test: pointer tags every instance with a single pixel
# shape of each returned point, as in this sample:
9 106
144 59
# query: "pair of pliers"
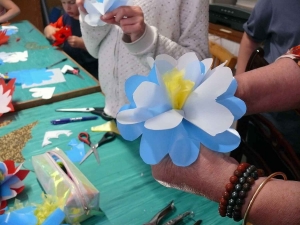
95 110
155 220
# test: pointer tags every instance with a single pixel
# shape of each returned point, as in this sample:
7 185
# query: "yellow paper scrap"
108 126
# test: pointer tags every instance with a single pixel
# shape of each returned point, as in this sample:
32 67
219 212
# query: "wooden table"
225 32
40 55
128 193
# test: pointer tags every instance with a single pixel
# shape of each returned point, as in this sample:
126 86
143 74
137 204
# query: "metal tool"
95 110
162 213
84 137
178 218
75 71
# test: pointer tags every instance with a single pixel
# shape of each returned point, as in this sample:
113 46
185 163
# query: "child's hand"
80 3
75 42
129 18
50 31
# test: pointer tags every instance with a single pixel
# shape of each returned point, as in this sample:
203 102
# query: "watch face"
295 51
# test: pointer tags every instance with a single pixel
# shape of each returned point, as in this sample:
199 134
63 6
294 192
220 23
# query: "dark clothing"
81 56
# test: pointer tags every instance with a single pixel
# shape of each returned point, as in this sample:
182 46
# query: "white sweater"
174 27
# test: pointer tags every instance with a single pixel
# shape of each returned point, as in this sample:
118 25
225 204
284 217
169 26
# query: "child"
74 45
147 29
8 10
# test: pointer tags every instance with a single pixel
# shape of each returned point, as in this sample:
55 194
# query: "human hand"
129 18
207 176
75 42
80 4
50 31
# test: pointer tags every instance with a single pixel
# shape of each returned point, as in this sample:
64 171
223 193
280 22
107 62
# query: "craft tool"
75 119
62 60
94 110
85 137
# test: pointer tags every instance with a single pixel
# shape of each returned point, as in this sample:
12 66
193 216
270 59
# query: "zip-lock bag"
59 177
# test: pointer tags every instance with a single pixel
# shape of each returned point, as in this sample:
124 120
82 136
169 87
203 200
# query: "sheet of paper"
57 77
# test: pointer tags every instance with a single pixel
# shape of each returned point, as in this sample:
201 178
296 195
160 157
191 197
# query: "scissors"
95 110
85 137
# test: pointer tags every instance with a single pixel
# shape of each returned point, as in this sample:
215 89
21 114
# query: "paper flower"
97 8
180 105
62 35
11 181
6 92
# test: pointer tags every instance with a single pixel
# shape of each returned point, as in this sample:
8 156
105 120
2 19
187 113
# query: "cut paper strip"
12 151
56 77
97 8
180 105
10 30
6 93
32 76
44 93
77 151
54 134
3 38
108 126
13 57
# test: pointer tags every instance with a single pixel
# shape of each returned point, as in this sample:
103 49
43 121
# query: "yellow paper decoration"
178 89
108 126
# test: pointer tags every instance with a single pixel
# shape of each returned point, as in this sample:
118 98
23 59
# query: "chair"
261 143
52 10
220 55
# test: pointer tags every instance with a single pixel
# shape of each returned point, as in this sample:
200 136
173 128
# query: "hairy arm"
271 88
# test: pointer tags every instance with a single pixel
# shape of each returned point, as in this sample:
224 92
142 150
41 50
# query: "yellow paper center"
178 89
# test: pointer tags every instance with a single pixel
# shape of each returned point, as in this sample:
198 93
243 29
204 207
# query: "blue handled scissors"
84 137
95 110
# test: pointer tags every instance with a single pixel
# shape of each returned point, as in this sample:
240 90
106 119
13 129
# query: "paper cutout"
66 68
180 105
56 77
54 134
77 152
32 76
97 8
10 30
6 93
108 126
13 57
44 93
62 35
11 181
3 38
12 151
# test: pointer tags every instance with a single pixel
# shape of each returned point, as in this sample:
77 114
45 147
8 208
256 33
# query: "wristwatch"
293 53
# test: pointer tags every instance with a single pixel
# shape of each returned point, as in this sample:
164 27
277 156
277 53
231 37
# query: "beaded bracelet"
258 190
236 191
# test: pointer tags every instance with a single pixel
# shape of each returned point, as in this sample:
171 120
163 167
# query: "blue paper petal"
3 168
117 4
131 85
55 218
5 187
155 145
29 77
235 105
130 132
224 142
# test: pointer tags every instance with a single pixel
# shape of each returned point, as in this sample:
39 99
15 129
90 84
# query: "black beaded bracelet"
240 183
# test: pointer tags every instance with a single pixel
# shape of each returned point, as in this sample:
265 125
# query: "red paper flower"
3 37
62 35
6 92
11 181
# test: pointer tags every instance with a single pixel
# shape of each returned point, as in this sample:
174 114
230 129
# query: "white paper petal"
165 121
207 63
207 114
216 84
44 93
133 116
149 95
150 61
186 59
168 58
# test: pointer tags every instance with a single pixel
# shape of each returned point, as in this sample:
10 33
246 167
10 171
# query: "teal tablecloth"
128 193
41 54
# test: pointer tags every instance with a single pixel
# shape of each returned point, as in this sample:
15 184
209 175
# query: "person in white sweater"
133 33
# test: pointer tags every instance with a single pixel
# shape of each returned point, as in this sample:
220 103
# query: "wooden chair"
221 54
268 149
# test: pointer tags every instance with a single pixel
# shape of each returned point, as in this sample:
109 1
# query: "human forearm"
270 88
247 46
11 13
